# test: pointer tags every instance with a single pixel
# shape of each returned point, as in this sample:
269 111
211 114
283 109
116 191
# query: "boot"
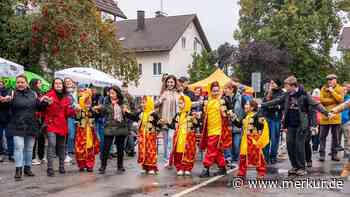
102 169
61 170
50 172
346 170
18 175
205 173
120 164
28 171
221 171
335 157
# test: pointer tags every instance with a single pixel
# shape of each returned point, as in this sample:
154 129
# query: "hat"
331 76
183 79
82 86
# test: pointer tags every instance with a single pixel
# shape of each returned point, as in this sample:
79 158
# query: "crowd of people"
74 120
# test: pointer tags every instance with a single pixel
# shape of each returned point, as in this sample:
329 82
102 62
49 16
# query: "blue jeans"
271 150
9 141
233 153
23 150
167 143
71 135
100 134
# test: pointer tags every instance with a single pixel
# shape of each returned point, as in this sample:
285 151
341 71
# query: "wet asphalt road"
132 183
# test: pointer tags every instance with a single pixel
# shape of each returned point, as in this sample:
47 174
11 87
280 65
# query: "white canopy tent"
10 69
86 75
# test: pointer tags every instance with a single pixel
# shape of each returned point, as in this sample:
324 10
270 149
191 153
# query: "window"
195 47
183 41
140 69
157 68
20 10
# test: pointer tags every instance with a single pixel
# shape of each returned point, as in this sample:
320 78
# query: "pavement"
166 183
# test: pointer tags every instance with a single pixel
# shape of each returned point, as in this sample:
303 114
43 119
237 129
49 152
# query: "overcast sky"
219 18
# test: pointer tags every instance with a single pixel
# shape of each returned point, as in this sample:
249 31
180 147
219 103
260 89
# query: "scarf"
147 110
169 106
117 112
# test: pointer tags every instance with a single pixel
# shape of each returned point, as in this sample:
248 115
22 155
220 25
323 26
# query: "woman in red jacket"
56 116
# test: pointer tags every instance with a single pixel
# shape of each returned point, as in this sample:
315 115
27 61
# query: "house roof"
159 34
111 7
344 43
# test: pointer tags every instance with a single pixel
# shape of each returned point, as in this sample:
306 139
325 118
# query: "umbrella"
86 75
10 69
11 81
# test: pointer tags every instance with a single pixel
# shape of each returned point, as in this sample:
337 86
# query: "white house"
163 45
344 44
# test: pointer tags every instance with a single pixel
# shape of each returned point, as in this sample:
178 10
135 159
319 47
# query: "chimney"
140 20
160 14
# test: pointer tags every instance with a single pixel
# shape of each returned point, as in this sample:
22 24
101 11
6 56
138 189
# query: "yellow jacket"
330 100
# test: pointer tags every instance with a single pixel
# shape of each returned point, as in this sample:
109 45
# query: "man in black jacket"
299 115
4 118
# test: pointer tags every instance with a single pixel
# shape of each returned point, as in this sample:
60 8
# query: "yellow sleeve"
338 95
265 136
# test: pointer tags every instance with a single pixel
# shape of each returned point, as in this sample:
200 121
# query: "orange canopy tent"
218 76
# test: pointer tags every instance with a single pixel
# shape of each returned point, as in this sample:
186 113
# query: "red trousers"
255 157
180 164
85 156
214 154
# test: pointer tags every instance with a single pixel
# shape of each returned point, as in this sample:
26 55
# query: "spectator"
332 94
183 86
71 91
316 135
39 144
116 127
273 115
24 103
168 104
234 103
345 127
56 118
299 115
130 139
4 118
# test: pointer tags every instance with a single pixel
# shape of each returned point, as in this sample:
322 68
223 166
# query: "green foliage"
72 33
203 66
307 29
343 68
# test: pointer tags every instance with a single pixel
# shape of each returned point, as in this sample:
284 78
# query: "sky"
219 18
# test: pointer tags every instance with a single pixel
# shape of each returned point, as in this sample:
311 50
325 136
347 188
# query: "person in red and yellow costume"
86 142
255 137
149 124
184 140
216 135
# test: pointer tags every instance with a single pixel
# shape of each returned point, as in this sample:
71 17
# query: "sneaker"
143 171
151 172
1 158
205 173
180 173
67 159
43 161
35 162
335 158
301 172
188 173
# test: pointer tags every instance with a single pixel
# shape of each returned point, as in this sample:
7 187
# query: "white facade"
175 62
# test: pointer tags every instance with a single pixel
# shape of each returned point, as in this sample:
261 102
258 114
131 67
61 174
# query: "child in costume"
147 136
255 137
184 140
86 142
216 135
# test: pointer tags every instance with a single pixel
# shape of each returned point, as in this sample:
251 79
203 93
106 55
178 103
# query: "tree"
203 66
307 29
343 67
261 57
6 12
72 33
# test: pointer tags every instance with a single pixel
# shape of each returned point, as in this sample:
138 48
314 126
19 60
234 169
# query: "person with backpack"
23 125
